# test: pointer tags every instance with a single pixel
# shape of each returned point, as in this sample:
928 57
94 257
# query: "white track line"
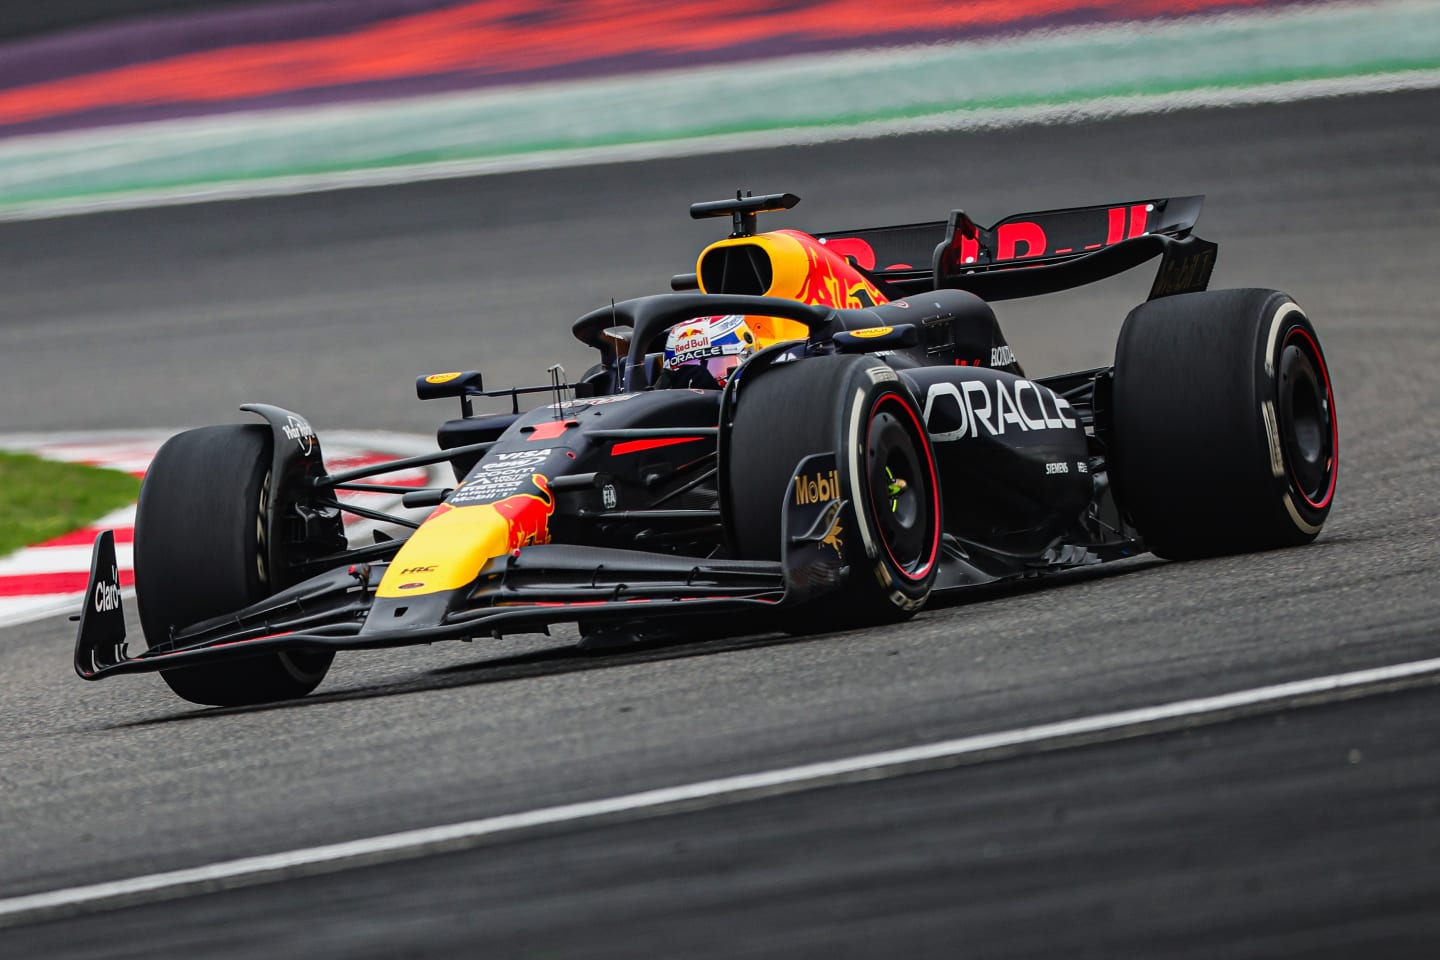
412 844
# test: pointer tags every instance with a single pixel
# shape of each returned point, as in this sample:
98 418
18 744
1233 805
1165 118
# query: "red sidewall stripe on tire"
1334 424
919 427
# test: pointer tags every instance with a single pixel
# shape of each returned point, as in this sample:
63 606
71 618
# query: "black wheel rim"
1306 418
900 492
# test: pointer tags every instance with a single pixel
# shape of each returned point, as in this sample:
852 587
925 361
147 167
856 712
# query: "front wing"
528 589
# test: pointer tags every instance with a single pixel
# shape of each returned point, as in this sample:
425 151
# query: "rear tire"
200 551
857 408
1225 439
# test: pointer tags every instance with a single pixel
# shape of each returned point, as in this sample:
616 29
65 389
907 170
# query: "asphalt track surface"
1311 832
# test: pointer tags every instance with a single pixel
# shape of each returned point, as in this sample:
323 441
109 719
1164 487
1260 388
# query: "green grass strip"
42 499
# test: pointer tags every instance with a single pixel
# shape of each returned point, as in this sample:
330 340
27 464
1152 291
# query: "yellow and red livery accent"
454 542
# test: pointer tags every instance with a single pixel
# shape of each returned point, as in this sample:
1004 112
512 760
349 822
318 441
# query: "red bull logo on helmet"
691 338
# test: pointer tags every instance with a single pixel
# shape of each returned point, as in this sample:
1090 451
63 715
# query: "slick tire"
1225 438
855 407
200 531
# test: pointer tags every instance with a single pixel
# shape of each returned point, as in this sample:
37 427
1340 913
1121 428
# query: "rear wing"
1030 254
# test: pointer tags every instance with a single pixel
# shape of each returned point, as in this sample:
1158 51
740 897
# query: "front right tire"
857 408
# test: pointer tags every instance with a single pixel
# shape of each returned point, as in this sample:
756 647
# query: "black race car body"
881 444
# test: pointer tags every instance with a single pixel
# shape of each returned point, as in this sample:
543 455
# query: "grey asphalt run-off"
330 304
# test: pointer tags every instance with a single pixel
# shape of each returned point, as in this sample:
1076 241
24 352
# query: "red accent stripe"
636 446
217 646
1116 224
236 643
549 430
601 603
1137 220
36 584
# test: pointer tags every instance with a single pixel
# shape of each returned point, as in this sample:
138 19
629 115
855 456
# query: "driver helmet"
704 352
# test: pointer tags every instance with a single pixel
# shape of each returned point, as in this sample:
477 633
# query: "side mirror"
461 383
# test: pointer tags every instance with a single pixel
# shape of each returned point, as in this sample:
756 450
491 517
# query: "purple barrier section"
107 47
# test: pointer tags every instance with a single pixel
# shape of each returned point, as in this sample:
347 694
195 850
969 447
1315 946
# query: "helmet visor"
722 367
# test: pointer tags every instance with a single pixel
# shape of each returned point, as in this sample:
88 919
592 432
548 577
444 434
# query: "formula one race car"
820 430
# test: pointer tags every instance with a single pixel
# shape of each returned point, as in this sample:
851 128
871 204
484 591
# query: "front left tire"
201 550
